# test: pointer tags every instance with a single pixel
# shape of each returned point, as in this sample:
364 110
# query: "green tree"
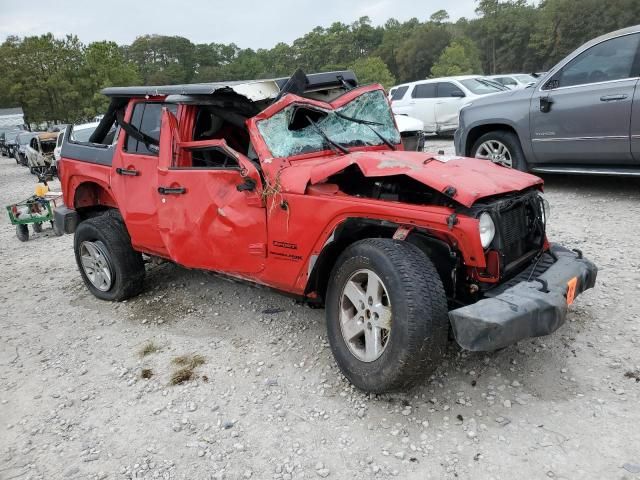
164 60
421 50
373 70
104 66
440 16
457 59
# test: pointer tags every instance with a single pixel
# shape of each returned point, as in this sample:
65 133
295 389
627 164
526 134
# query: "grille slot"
514 225
521 230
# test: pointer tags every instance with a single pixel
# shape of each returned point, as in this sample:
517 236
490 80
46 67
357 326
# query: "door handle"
613 98
171 190
124 171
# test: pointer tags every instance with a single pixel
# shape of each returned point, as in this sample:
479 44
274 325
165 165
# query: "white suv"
437 101
514 81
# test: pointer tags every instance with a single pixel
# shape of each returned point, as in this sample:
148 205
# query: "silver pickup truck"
582 117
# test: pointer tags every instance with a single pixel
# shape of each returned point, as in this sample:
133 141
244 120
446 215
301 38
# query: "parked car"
411 131
7 134
437 101
39 153
301 185
514 81
583 116
11 143
22 141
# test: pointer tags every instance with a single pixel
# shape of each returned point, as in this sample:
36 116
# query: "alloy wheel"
495 151
96 265
365 315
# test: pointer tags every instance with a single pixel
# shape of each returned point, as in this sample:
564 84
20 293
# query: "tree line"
56 79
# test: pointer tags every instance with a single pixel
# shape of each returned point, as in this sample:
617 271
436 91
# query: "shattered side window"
289 132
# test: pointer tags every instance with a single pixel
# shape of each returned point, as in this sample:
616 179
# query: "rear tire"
497 139
37 227
110 267
415 337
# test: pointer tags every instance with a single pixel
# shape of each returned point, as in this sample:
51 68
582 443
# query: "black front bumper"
66 219
527 309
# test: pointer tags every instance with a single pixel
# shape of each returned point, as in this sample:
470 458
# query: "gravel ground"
269 403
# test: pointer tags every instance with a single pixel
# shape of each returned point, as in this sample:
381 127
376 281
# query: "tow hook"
545 285
578 252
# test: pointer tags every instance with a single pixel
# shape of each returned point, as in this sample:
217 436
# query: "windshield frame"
260 145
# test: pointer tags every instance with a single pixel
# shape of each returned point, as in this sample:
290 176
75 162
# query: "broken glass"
284 140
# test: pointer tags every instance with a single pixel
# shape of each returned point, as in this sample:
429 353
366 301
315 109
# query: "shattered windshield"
296 129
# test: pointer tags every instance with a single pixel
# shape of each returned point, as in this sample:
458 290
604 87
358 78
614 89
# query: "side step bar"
579 170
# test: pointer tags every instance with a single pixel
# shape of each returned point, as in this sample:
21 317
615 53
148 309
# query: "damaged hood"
466 180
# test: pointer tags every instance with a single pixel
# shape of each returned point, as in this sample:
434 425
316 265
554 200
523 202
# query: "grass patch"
149 348
187 364
146 373
189 361
181 375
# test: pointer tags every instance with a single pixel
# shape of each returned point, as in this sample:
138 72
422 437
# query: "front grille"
514 225
521 228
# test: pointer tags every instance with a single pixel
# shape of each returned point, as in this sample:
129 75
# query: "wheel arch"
476 132
91 196
353 229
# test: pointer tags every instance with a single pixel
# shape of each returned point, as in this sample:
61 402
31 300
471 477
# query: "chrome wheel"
365 315
495 151
96 265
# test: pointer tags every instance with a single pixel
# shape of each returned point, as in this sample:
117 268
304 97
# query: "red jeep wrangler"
302 185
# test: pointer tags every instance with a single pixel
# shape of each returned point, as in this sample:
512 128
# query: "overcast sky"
254 24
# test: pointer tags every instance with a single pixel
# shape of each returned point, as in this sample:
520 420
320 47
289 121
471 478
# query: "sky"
248 24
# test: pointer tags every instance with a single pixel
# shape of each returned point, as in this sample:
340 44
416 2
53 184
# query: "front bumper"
527 309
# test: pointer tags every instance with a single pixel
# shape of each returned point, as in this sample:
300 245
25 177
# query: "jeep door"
450 99
581 115
210 210
134 176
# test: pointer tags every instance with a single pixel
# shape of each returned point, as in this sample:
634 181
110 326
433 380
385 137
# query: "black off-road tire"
511 141
37 227
22 232
127 264
419 325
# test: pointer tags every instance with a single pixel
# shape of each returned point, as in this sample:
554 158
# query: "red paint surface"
271 239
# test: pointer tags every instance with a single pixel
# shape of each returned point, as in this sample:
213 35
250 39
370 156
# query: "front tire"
110 267
501 147
386 315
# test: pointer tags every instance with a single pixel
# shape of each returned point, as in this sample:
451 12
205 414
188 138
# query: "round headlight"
487 229
546 208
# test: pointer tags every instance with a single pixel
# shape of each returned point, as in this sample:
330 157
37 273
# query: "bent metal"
302 184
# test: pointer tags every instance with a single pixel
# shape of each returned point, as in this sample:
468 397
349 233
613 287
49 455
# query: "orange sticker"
571 290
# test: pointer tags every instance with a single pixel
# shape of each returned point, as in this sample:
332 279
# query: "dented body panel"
228 203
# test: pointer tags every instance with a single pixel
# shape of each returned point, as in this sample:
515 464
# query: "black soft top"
255 90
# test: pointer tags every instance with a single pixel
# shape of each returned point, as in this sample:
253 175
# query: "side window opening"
146 118
398 93
448 90
210 125
212 157
424 90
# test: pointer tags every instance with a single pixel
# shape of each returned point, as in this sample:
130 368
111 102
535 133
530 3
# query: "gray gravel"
269 403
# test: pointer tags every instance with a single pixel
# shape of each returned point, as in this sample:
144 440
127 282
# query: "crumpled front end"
531 307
